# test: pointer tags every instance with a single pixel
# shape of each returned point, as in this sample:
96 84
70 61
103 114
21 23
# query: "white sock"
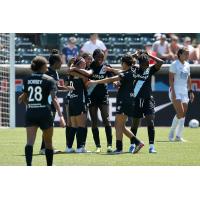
179 131
174 124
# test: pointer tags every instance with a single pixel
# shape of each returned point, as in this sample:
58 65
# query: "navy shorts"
94 101
126 108
144 107
76 108
41 117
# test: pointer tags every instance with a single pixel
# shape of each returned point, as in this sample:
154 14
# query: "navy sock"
151 134
95 132
108 130
67 134
134 130
134 140
49 156
80 137
72 134
29 154
85 136
119 145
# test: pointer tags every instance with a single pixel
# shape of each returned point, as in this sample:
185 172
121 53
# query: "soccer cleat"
117 151
131 149
138 147
82 150
98 150
171 137
109 149
42 152
179 139
152 150
55 151
69 150
79 150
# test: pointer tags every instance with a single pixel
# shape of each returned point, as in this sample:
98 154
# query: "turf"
12 143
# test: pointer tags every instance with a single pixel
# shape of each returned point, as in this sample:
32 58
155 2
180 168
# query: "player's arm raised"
159 62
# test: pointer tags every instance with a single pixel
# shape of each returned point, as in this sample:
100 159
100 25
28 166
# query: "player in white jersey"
180 87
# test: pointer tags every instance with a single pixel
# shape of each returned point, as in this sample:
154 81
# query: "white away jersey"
181 73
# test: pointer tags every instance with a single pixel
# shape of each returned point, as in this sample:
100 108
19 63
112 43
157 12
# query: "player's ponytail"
54 57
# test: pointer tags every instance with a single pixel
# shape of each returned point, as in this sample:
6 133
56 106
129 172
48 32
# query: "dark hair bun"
55 51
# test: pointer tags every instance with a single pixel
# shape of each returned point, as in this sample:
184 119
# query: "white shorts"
179 96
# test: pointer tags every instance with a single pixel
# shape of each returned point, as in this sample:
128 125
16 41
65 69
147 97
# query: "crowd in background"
164 47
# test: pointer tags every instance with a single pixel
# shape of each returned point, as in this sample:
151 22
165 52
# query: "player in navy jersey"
125 103
70 137
144 101
77 107
98 96
37 88
55 62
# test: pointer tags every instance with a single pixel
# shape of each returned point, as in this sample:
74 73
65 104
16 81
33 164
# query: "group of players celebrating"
88 77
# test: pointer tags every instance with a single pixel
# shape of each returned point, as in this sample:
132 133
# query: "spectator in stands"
157 36
195 54
161 47
70 50
174 46
148 49
94 43
188 44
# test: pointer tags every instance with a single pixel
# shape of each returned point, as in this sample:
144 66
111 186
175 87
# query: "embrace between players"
88 91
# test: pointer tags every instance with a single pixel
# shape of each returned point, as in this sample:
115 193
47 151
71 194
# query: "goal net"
7 80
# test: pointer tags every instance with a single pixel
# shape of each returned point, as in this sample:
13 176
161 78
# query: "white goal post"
7 80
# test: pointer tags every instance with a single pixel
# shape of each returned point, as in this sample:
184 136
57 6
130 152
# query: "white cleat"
82 150
179 139
69 150
55 151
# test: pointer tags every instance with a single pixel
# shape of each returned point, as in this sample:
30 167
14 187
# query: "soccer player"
125 103
55 62
77 107
98 95
144 101
37 87
81 65
180 87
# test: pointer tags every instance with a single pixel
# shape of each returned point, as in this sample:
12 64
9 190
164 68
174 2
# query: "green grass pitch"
12 143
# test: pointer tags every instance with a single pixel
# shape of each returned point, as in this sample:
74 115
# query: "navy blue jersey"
142 88
98 91
38 87
78 94
126 92
53 73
